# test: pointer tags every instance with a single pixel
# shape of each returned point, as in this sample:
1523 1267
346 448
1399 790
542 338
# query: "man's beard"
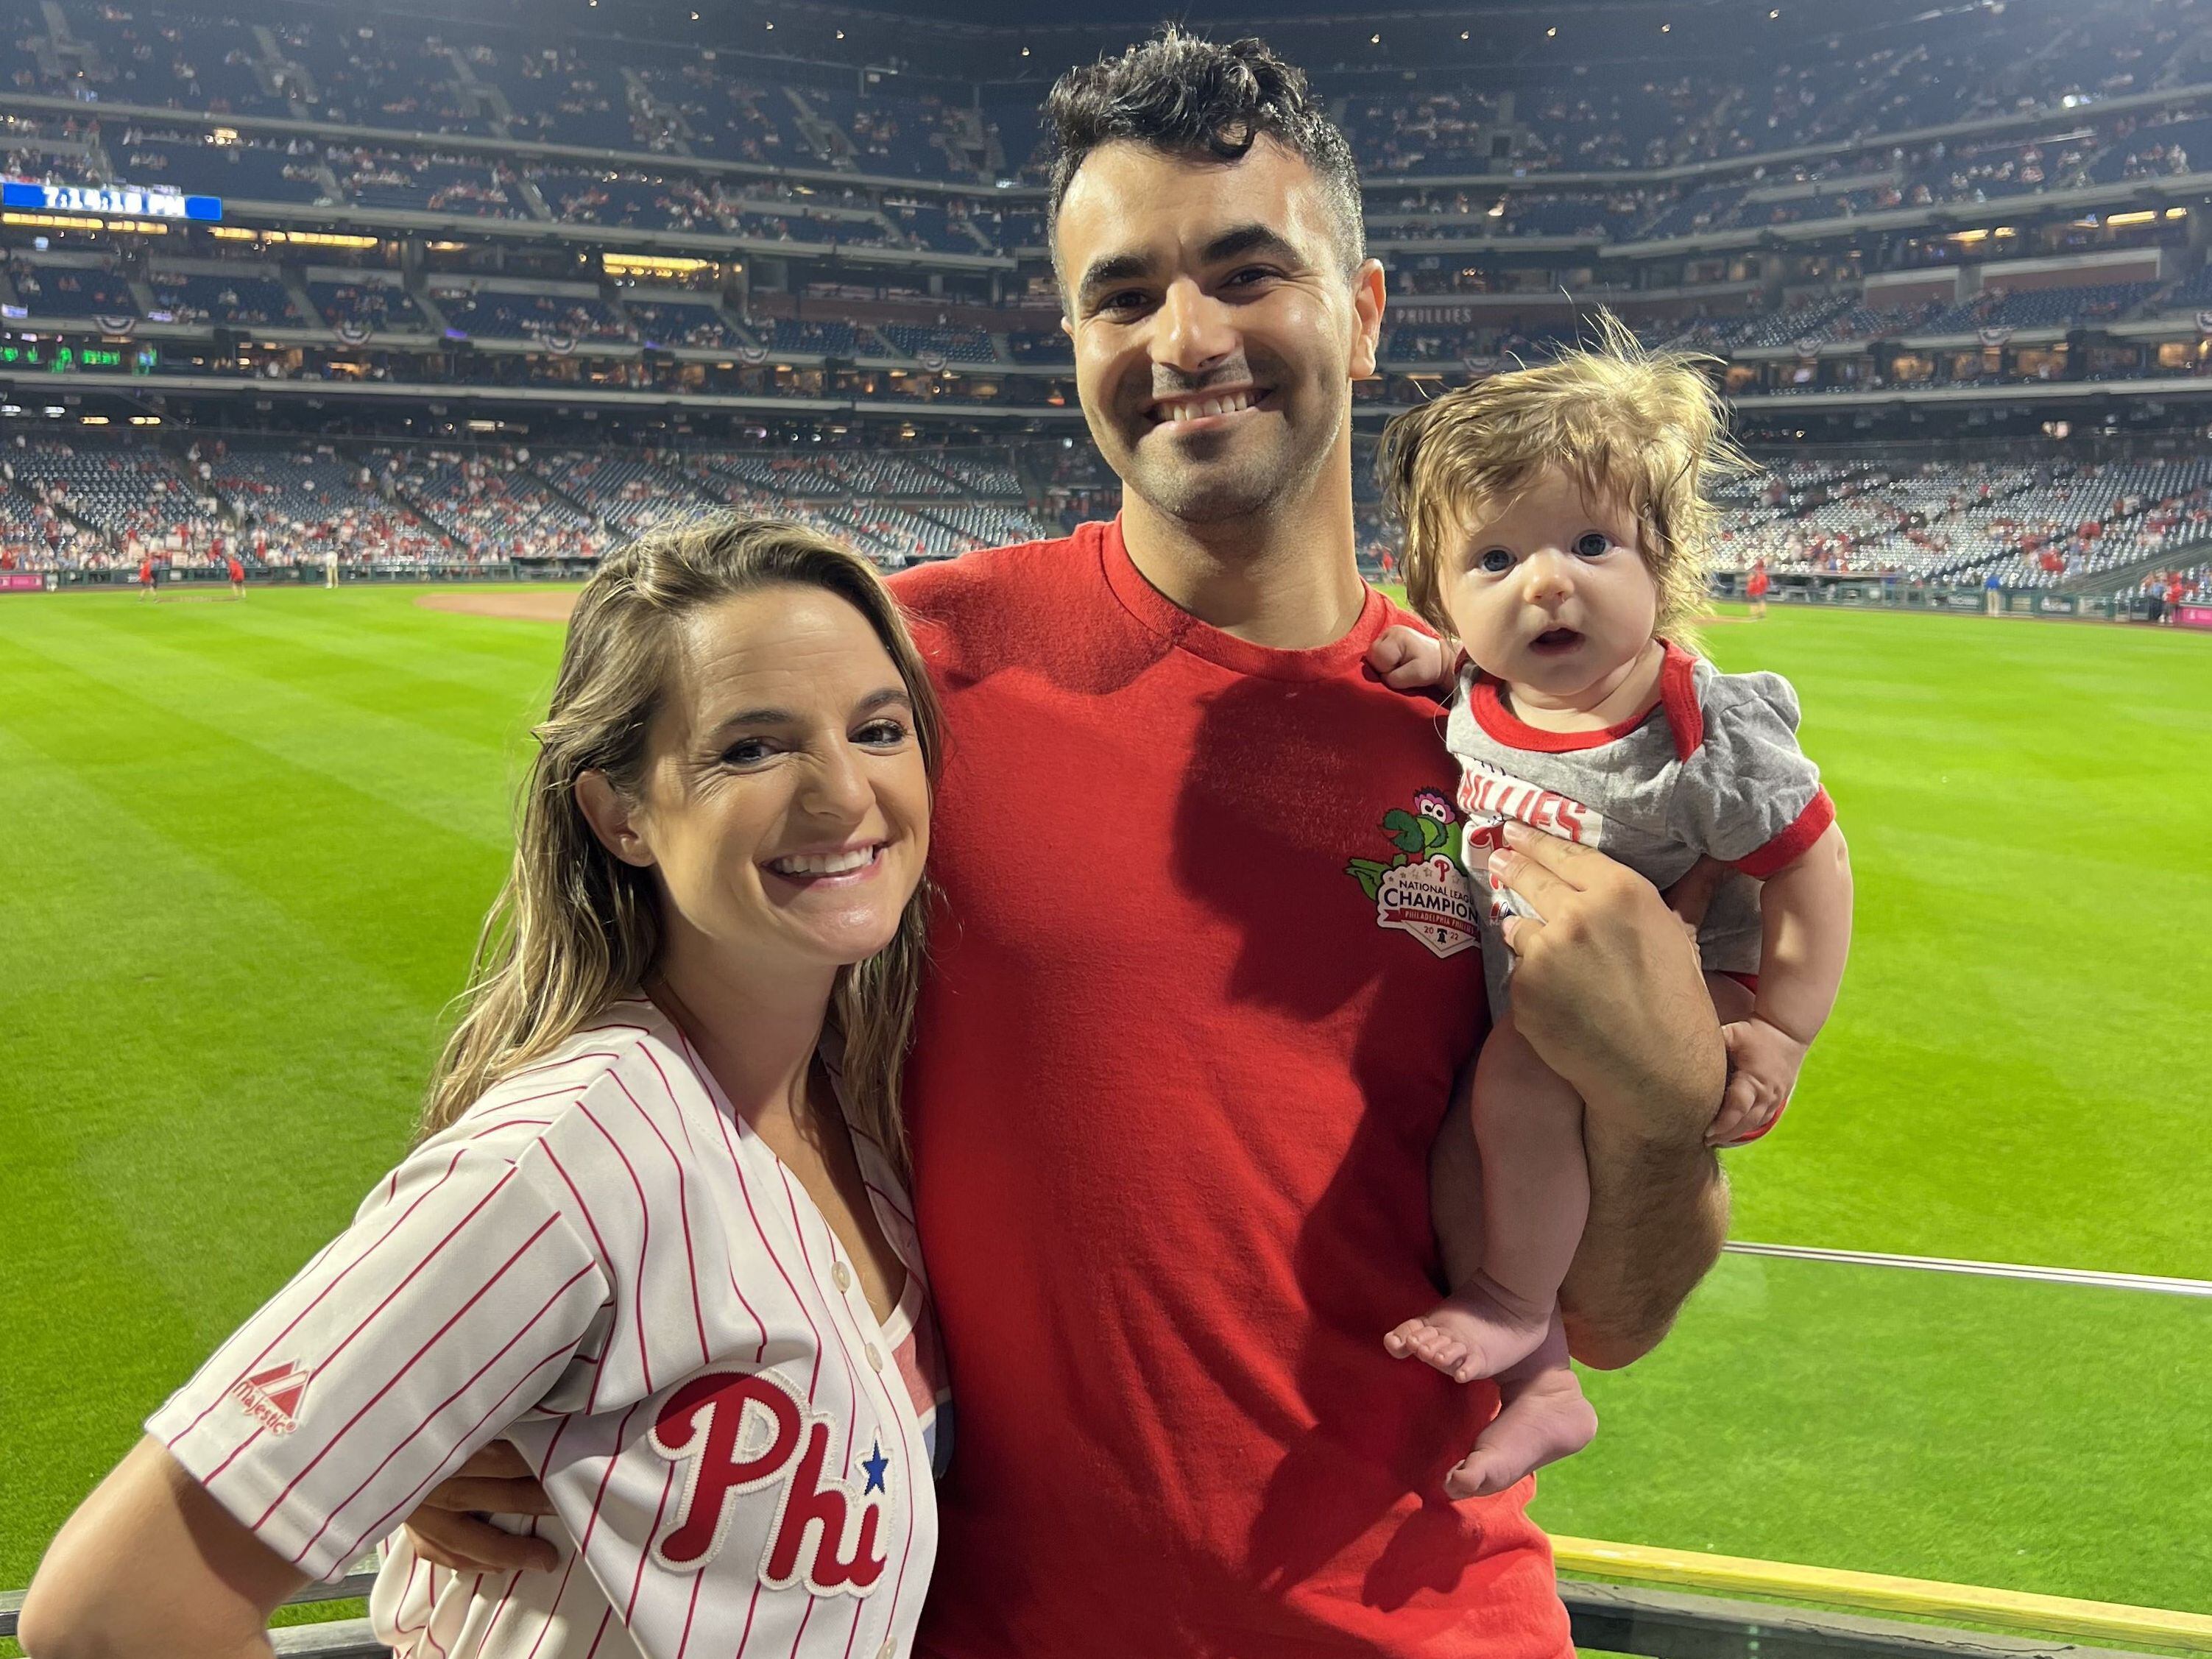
1203 486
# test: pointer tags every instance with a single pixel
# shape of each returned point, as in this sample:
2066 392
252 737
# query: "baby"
1556 527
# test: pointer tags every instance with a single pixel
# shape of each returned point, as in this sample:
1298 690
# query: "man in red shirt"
1207 973
1205 981
237 577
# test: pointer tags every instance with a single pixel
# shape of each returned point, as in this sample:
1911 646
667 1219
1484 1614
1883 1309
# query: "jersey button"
842 1275
875 1358
888 1650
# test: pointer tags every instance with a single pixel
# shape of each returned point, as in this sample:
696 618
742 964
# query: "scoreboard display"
52 356
110 200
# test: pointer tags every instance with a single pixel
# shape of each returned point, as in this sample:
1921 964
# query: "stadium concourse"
494 292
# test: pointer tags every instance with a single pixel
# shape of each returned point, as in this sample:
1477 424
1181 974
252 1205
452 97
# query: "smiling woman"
677 1077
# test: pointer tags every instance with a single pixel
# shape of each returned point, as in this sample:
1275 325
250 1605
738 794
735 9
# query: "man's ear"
1367 299
611 816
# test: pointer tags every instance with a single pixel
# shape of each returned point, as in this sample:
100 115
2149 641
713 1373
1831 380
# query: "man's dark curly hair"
1183 95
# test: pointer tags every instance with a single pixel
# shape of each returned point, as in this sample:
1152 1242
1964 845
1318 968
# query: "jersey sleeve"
449 1308
1750 796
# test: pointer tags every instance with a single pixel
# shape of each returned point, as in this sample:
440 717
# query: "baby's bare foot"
1542 1418
1480 1330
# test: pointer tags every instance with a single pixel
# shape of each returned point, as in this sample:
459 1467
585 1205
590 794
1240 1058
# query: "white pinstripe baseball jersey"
602 1263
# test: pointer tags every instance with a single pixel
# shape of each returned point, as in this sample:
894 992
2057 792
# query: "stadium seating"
241 301
367 299
524 314
673 318
137 498
52 289
628 493
832 339
1047 346
424 184
33 535
1492 182
959 345
262 171
490 505
2033 525
302 499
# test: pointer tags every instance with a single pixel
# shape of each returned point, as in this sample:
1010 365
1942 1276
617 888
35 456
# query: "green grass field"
250 844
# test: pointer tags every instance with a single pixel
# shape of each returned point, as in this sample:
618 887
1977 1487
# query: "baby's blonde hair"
1643 429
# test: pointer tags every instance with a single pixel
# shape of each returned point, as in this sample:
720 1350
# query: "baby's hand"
1406 660
1763 1062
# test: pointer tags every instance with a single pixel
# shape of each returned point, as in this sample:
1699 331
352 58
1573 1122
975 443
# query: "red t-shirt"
1172 1095
1756 586
237 571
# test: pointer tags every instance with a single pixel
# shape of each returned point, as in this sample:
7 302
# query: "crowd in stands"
492 505
98 503
2028 525
1513 113
92 503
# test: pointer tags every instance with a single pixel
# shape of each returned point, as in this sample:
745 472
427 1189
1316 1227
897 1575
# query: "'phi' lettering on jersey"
735 1432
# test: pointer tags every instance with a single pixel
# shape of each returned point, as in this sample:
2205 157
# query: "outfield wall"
1873 593
1870 594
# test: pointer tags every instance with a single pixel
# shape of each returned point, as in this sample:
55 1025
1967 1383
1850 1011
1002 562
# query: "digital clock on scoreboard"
109 201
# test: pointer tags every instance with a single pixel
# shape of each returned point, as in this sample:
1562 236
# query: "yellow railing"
2052 1615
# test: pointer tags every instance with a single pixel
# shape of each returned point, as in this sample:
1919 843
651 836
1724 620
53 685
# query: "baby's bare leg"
1534 1196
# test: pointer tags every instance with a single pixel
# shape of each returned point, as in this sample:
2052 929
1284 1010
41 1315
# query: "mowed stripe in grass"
245 885
291 813
2016 1070
2038 1437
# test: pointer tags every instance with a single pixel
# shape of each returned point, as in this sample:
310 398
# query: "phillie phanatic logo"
273 1395
1424 890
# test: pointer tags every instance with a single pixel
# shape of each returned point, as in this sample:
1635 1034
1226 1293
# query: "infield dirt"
553 607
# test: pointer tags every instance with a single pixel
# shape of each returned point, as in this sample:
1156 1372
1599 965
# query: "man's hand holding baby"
1606 982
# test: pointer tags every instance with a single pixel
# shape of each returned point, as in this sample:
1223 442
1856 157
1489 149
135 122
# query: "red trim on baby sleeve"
1678 696
1786 848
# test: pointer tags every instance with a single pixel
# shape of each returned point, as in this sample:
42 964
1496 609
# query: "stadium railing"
1637 1620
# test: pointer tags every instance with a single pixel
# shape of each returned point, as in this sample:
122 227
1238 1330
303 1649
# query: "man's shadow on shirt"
1269 789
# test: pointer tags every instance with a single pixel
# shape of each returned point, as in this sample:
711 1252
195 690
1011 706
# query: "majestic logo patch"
273 1395
737 1432
1423 891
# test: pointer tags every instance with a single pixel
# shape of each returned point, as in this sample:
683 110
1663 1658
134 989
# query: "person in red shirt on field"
237 577
145 575
1206 984
1755 589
